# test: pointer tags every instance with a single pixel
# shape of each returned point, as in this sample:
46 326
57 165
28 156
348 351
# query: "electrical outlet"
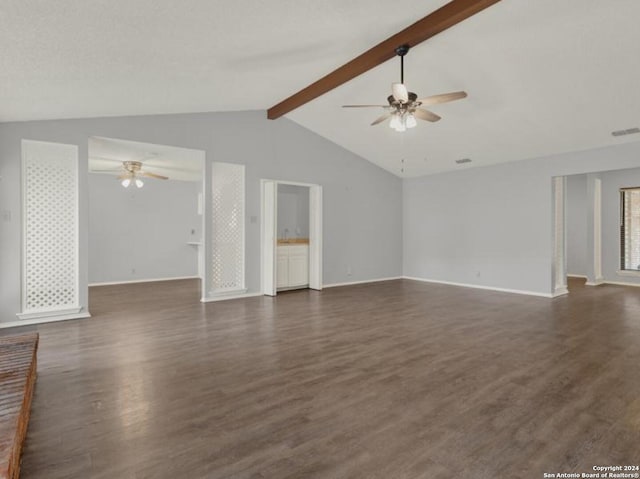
477 274
133 271
349 271
6 216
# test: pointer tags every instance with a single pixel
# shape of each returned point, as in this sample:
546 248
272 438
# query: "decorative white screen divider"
228 193
50 230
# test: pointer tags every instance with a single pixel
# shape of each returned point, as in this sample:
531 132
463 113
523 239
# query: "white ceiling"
107 154
543 76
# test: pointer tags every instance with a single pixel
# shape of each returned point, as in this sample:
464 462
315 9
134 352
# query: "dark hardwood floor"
398 379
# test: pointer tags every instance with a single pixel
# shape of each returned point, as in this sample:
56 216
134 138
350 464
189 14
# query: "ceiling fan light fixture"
401 126
126 182
400 92
403 107
139 183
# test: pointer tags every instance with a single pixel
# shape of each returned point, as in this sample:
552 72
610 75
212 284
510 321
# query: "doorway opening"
146 222
596 227
291 236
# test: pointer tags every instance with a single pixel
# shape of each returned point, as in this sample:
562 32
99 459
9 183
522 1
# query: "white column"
227 229
559 237
50 239
594 230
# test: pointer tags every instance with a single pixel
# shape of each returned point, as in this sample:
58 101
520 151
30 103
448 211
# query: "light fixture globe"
139 183
126 182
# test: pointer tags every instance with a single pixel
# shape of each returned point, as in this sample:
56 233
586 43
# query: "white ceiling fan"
404 106
132 173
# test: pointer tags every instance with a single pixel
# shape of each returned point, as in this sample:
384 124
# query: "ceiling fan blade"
125 176
380 119
443 98
153 175
425 115
400 92
365 106
104 158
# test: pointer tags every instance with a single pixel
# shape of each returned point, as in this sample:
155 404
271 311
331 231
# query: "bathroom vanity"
292 263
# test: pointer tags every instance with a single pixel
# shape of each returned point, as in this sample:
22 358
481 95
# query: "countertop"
284 242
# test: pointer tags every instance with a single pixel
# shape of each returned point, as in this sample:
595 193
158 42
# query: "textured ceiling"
79 58
543 76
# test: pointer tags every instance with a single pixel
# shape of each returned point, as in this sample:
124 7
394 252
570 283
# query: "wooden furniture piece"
17 379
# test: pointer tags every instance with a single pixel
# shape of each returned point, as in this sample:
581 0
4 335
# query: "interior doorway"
146 218
600 225
291 236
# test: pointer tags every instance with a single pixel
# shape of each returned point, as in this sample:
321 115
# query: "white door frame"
268 234
593 232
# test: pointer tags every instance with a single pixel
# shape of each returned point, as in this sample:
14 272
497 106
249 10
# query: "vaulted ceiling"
543 76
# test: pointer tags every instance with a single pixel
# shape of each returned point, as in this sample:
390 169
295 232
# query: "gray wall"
576 210
492 226
293 211
361 202
137 234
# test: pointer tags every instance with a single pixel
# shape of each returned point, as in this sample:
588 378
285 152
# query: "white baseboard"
42 320
225 297
49 313
581 276
623 283
151 280
350 283
560 291
477 286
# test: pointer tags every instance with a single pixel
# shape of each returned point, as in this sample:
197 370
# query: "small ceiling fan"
133 172
404 106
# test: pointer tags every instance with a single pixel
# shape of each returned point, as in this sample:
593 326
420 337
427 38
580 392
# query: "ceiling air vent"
630 131
463 160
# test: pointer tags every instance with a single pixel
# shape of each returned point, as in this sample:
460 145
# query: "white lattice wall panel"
50 214
227 227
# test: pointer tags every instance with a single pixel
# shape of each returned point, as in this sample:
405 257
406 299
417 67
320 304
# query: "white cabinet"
282 268
292 266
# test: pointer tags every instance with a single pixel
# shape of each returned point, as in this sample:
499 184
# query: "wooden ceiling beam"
445 17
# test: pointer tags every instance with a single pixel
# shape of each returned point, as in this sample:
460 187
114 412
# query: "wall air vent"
630 131
463 160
